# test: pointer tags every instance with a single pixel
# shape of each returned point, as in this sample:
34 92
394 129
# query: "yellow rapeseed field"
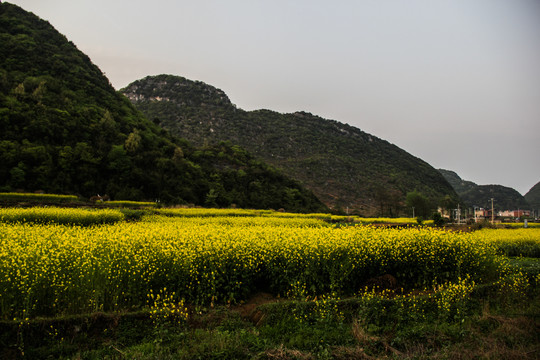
513 242
51 269
60 215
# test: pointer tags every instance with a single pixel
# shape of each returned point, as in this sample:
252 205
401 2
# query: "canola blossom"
204 212
517 225
11 196
195 212
512 242
51 269
126 203
57 215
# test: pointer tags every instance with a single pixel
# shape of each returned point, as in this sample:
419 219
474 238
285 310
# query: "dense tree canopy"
64 129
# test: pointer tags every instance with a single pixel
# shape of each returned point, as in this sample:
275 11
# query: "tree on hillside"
418 202
388 200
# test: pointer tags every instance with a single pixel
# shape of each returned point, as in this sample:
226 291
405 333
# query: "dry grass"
282 353
350 353
361 334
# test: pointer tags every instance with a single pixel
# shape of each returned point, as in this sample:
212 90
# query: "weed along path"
249 310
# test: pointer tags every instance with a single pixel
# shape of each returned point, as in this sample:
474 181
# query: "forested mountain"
504 198
533 196
64 129
344 166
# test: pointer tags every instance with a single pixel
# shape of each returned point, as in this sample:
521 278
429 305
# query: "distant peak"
450 172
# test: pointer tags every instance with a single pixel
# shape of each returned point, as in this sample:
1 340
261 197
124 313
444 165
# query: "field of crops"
61 216
31 197
49 268
144 278
513 242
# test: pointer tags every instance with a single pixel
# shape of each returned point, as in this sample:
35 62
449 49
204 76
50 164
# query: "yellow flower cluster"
512 242
514 286
409 221
452 296
126 203
37 197
58 215
165 308
516 225
47 269
448 301
202 212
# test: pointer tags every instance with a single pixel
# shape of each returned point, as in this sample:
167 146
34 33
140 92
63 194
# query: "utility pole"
492 212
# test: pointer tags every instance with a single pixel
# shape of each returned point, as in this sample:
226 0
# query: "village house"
513 213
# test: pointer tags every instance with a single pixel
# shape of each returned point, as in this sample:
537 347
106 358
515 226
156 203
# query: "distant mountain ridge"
344 166
504 198
533 196
64 129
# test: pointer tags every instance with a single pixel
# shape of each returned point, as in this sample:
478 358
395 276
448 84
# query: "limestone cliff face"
177 89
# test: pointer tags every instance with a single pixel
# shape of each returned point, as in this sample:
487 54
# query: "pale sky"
454 82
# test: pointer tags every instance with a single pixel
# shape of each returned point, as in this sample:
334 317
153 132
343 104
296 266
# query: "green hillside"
344 166
504 198
461 186
533 196
64 129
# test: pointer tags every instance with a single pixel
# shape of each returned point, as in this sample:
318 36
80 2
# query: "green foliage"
438 220
237 178
419 203
527 248
392 328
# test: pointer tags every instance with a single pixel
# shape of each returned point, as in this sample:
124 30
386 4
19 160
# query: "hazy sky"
454 82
